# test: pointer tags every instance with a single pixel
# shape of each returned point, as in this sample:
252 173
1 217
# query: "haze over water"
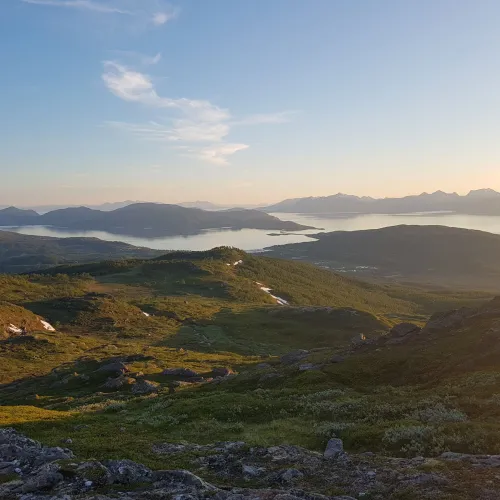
256 239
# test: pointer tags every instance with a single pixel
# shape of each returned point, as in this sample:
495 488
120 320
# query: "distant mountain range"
435 255
147 219
107 207
480 202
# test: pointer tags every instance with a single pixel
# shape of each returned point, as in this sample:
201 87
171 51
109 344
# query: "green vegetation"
423 394
21 253
430 255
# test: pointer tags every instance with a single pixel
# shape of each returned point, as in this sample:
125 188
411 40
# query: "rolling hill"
23 253
148 219
436 255
153 361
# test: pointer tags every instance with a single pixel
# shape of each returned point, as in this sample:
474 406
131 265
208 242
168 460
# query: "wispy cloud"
150 12
160 18
197 127
81 4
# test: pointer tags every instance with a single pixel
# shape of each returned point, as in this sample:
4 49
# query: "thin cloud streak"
194 122
80 4
153 14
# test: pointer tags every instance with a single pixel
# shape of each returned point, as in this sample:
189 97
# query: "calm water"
255 239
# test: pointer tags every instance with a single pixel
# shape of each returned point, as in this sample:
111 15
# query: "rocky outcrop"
30 471
294 357
145 387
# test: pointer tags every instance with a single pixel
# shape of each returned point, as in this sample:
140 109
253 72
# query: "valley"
155 360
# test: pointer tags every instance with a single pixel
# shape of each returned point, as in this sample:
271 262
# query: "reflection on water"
246 239
353 222
256 239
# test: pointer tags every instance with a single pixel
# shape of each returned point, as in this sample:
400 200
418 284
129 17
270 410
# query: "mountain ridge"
480 202
148 219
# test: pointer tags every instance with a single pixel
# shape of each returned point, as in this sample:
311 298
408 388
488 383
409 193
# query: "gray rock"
290 475
145 387
306 367
46 477
116 367
294 357
118 383
180 372
334 448
127 472
95 472
181 478
250 471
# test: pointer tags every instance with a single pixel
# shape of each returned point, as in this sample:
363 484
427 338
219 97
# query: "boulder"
290 476
46 477
145 387
127 472
116 367
308 367
334 448
95 472
294 357
180 372
119 383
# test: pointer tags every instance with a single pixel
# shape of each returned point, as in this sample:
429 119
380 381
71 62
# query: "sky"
246 101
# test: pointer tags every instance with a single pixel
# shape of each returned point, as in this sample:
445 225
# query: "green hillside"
23 253
187 348
430 255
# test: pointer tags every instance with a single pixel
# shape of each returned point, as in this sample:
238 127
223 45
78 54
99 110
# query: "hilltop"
23 253
435 255
148 219
478 202
241 369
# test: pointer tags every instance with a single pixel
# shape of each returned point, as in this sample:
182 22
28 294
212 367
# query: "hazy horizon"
246 103
220 203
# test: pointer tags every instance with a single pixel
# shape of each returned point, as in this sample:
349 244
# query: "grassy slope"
435 255
23 253
377 400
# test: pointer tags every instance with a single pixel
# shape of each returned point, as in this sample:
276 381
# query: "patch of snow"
279 300
238 262
146 314
47 326
14 329
228 264
88 484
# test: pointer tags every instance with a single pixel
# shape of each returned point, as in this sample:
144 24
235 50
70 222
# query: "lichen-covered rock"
145 387
116 367
127 472
180 372
120 382
334 448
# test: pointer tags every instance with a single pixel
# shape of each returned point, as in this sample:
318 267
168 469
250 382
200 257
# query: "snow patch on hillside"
47 326
279 300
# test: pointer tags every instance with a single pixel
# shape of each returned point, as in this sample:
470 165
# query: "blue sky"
246 101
